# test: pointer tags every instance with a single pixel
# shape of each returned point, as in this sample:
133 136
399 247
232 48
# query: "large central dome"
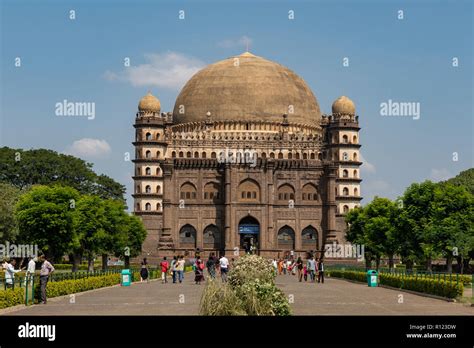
248 88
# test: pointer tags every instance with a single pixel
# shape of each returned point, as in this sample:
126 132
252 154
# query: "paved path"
335 297
341 297
153 298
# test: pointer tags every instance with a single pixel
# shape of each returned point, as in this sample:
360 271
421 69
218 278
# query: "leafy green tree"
24 168
465 178
9 196
356 221
45 217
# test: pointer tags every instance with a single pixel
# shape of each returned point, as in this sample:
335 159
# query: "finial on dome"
343 106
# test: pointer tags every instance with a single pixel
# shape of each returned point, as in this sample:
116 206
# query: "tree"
356 221
465 178
24 168
45 217
9 196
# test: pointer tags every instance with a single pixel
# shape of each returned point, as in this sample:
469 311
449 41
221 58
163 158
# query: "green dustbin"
126 277
372 278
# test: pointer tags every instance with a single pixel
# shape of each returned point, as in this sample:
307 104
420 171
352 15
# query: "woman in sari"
199 270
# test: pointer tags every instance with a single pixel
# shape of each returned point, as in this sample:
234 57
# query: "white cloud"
89 148
242 42
440 174
367 166
377 186
170 70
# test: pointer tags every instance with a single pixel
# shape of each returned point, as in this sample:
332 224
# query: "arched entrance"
286 238
212 237
187 237
249 231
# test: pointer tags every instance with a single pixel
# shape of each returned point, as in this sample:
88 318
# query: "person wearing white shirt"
30 270
224 266
10 273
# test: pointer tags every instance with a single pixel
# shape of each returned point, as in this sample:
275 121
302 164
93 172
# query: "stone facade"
222 185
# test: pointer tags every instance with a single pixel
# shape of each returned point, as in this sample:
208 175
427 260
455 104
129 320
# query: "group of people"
8 266
312 268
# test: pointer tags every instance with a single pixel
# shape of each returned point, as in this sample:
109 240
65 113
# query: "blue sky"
82 60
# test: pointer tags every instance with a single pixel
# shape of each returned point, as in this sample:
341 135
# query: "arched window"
264 155
356 192
187 237
309 238
354 156
297 155
345 156
272 155
345 191
320 156
173 154
158 189
148 136
158 154
345 209
286 238
355 173
211 191
138 207
148 171
345 173
138 189
212 237
345 139
196 154
181 154
290 155
305 156
203 155
158 206
213 155
312 156
280 155
309 193
148 189
148 154
188 154
286 192
157 135
354 139
249 190
188 191
148 207
158 171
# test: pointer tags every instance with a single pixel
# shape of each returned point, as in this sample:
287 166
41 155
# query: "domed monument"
246 162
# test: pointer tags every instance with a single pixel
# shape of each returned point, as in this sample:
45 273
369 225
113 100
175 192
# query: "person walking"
10 274
321 271
199 271
211 266
299 266
144 271
46 270
311 266
173 268
180 268
224 267
164 270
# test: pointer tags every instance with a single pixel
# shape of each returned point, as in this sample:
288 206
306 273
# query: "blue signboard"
249 229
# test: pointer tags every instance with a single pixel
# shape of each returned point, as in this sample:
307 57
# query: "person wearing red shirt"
164 270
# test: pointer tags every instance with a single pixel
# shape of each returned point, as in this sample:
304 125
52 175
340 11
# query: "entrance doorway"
249 231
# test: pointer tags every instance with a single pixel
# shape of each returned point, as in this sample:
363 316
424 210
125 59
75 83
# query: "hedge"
12 297
439 287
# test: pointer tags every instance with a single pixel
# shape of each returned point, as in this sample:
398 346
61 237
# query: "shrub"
12 297
433 286
250 291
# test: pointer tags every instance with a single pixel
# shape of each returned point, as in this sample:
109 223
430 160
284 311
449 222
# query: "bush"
250 291
12 297
433 286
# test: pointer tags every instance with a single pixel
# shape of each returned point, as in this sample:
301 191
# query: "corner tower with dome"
245 161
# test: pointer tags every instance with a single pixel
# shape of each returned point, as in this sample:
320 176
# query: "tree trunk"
449 263
76 261
104 262
429 267
127 262
465 264
390 262
377 262
409 265
367 262
90 263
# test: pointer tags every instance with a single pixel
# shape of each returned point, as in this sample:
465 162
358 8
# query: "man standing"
224 266
30 271
46 269
173 268
10 274
321 271
164 270
180 268
311 266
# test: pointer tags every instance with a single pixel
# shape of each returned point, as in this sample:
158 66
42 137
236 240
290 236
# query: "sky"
422 55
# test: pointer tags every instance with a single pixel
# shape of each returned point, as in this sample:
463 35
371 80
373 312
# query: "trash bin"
372 278
126 277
